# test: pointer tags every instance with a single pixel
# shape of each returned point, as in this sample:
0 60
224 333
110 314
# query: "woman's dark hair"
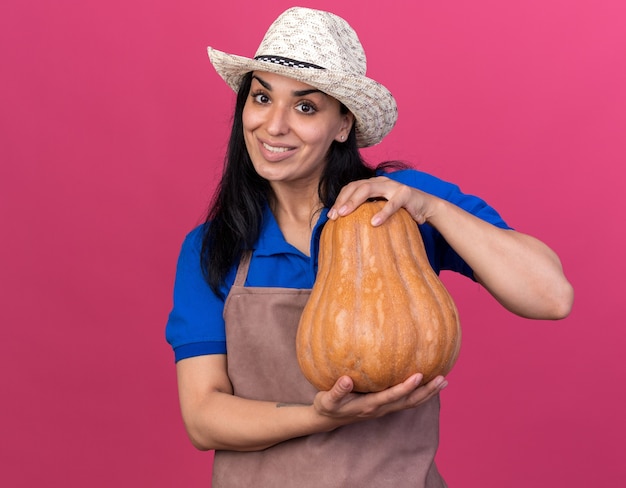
235 214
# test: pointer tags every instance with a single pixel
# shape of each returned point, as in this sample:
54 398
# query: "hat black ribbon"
292 63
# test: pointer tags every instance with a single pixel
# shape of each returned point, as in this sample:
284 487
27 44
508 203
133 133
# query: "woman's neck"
295 212
297 203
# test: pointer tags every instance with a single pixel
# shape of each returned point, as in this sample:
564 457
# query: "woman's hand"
521 272
345 407
422 206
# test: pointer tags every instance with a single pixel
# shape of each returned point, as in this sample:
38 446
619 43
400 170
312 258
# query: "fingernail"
343 209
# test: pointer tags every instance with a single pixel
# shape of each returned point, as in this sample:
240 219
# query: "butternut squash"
377 311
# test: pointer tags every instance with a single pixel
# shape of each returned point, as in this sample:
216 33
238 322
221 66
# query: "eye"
306 108
260 97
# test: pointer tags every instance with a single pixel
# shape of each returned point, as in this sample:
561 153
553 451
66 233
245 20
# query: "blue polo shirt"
196 326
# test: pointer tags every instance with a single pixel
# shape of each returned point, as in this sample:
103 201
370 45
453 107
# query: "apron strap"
242 269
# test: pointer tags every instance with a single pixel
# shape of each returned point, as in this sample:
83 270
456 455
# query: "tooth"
275 149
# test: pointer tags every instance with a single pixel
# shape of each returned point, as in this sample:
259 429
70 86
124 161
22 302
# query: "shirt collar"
271 240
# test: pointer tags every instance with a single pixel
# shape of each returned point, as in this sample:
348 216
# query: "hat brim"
373 106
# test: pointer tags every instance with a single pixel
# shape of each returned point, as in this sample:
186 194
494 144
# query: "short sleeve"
195 325
440 254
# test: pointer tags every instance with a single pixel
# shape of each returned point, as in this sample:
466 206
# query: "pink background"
112 129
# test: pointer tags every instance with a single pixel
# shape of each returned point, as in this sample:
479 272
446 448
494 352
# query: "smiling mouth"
275 149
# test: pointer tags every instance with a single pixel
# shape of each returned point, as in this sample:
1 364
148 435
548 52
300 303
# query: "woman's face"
289 127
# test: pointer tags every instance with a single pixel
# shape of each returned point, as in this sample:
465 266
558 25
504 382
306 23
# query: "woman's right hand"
344 406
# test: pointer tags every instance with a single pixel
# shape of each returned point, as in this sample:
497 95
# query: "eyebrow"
297 93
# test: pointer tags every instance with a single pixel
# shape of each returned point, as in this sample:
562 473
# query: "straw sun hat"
322 50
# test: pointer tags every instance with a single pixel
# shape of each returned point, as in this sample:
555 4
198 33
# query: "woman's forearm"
227 422
521 272
217 419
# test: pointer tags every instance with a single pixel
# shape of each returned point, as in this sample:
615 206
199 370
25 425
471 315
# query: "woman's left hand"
420 205
521 272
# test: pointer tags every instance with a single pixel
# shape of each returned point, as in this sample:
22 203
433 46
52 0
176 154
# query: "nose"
277 123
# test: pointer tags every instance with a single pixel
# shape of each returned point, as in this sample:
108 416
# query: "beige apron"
397 450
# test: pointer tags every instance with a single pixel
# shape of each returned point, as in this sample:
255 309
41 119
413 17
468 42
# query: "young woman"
304 107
